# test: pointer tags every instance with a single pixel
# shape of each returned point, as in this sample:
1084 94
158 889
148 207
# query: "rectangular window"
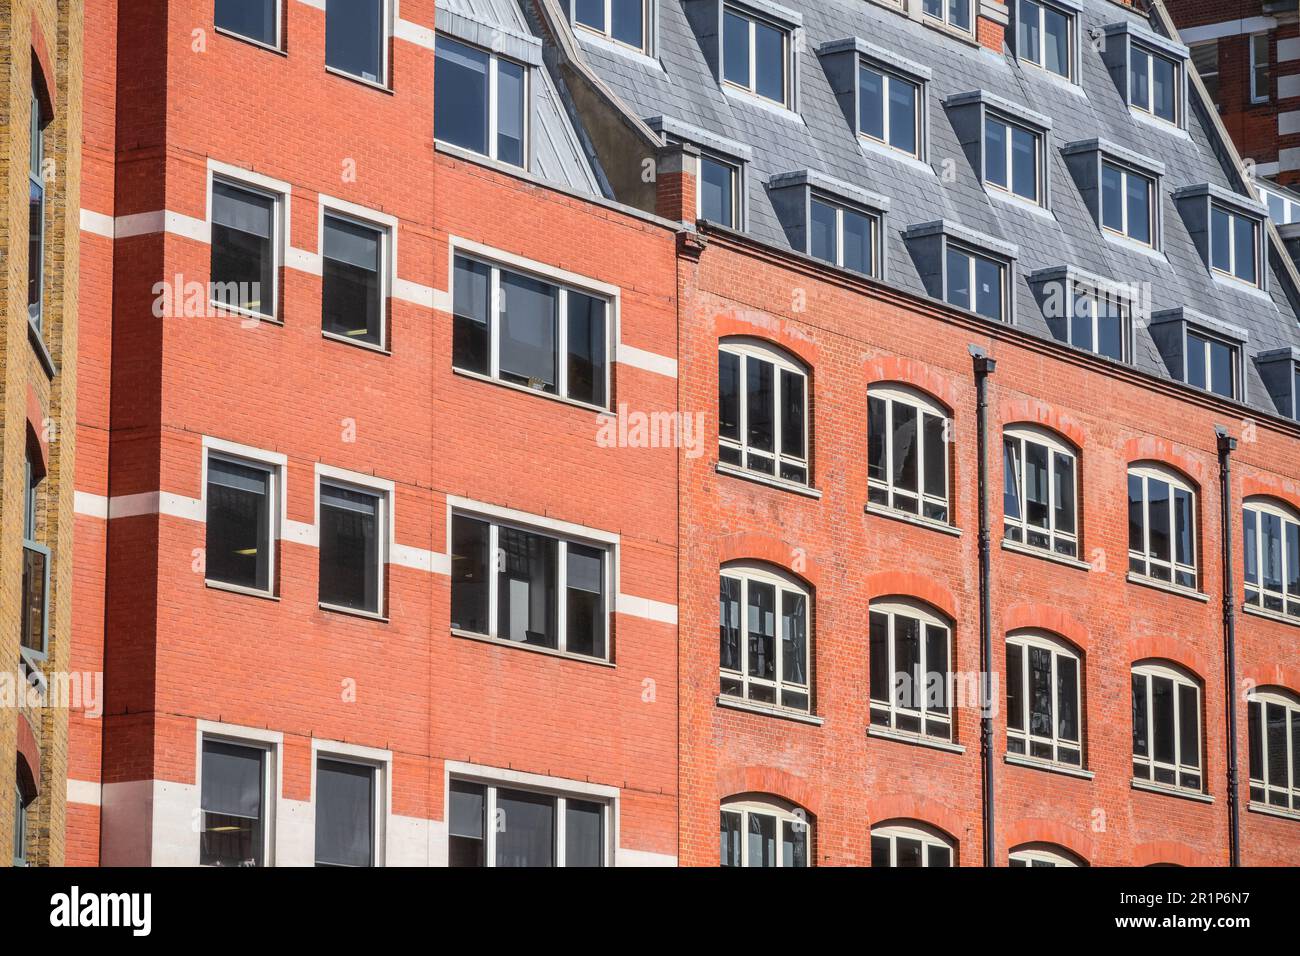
1044 37
1212 364
1205 57
889 109
975 282
1234 244
1011 158
1153 83
527 587
621 20
719 192
240 545
346 813
356 40
488 114
842 236
1260 74
256 20
755 55
233 804
36 218
352 283
530 828
954 13
530 332
1099 322
34 638
352 521
1127 207
245 226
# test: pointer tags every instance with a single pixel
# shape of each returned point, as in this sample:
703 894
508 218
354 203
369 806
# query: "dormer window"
487 114
964 268
1201 351
1153 83
719 192
1126 202
1005 143
975 282
1121 189
1012 158
756 55
1234 244
830 220
1045 36
623 21
952 13
1212 363
889 108
1228 229
1099 322
842 236
1280 370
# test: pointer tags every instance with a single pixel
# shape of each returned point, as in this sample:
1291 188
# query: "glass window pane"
584 838
908 852
1196 361
760 402
936 668
871 102
1112 197
585 601
471 336
238 546
528 332
880 851
762 840
461 119
1067 697
1141 744
1139 79
761 627
1162 716
1024 163
735 49
349 548
254 19
588 352
729 623
1221 362
1028 33
902 115
822 233
717 192
1220 239
1255 734
1037 488
354 37
1189 726
907 662
590 13
794 843
1040 692
1011 479
345 814
959 13
525 829
995 152
231 801
629 22
526 605
1081 321
510 112
857 243
1158 494
730 850
1164 96
906 450
1183 528
729 395
466 831
1056 26
469 574
1250 546
792 414
794 637
958 279
243 260
878 656
936 457
1063 473
988 288
877 412
350 286
1015 687
1138 195
1244 247
769 53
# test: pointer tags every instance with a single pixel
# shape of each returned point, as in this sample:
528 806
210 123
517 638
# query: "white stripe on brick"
648 361
85 792
1288 123
1288 50
424 295
96 223
646 608
1227 28
414 33
90 505
1288 159
430 562
1288 86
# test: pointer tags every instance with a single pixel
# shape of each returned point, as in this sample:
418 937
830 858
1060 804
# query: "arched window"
1274 717
764 639
1166 726
910 661
762 411
1043 854
1040 490
762 831
907 844
907 452
1044 698
1271 541
1161 525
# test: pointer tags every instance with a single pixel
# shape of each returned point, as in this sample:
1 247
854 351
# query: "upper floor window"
909 846
240 545
529 332
1127 203
1212 363
755 663
889 108
513 583
36 217
235 790
1153 83
20 822
763 833
1044 687
352 529
1099 322
1282 208
1040 491
842 236
245 249
347 818
1161 526
1205 57
719 194
1260 71
910 662
1045 36
975 282
1271 540
34 641
356 38
488 113
256 20
1013 158
1041 854
756 55
353 293
623 21
955 13
907 452
1234 244
492 825
762 411
1274 720
1166 727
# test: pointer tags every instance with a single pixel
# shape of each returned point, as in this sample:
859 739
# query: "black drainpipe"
984 367
1227 445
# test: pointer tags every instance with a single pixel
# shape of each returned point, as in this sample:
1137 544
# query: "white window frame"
973 256
737 192
946 19
385 42
1038 853
1095 295
1058 649
1256 96
1180 678
274 464
890 77
896 607
1148 471
381 489
1211 75
840 209
278 46
269 743
747 572
1291 788
926 837
1231 273
494 106
1127 173
787 61
280 193
1148 108
1040 192
1056 447
1072 30
386 226
782 812
559 790
1290 205
745 349
1256 507
894 394
647 9
564 535
378 761
1206 346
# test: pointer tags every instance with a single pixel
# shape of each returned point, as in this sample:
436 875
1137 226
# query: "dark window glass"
988 288
584 836
1255 735
590 13
1015 687
354 37
823 232
1138 198
760 404
1063 468
794 843
762 840
938 856
902 115
762 630
1136 514
469 574
511 86
345 814
717 192
1024 163
238 548
959 279
877 428
1067 696
525 829
466 836
1158 497
730 850
880 851
906 450
908 852
792 414
1220 239
243 257
1140 79
528 332
1112 197
794 638
471 331
1222 381
526 608
349 548
585 607
350 294
735 49
1189 727
769 62
995 153
936 457
36 217
729 395
1140 738
729 624
629 22
461 119
857 242
878 656
1244 252
1040 692
255 19
1162 716
1011 490
1056 27
871 102
232 805
587 348
1164 95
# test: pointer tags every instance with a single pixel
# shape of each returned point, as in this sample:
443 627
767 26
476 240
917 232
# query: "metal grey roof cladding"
680 86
